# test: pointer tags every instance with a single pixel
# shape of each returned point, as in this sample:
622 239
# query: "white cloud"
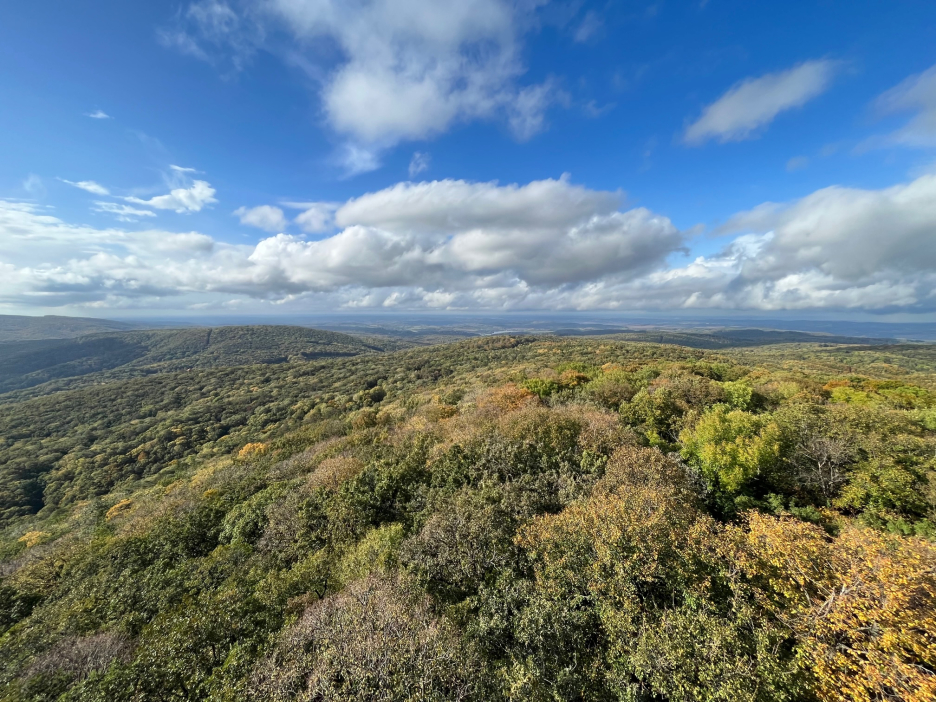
753 103
33 185
408 69
354 159
181 200
547 244
527 113
88 186
264 217
217 27
838 247
419 163
317 217
124 213
449 206
98 114
851 234
915 94
440 241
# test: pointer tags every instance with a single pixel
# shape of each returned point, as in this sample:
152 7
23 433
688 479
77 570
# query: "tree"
861 606
377 640
732 447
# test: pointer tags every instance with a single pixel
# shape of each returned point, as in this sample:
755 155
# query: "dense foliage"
495 519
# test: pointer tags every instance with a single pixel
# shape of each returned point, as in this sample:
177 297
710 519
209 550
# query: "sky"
296 156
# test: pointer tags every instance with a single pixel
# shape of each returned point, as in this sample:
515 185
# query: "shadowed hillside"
24 364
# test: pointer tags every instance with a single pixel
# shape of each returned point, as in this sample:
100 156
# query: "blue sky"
276 156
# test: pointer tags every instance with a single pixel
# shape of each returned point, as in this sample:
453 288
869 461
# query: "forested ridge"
25 364
504 518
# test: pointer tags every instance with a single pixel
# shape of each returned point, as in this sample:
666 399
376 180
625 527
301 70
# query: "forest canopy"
506 518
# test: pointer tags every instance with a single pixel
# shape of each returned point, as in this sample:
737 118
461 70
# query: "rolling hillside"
24 364
503 518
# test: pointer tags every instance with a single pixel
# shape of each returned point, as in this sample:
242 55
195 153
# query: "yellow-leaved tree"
862 606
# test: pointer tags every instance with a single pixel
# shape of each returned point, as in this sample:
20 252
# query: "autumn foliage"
502 519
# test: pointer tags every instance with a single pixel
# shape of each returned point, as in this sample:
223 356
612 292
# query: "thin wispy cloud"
124 213
34 185
917 95
797 163
88 186
590 26
419 164
751 105
98 114
182 200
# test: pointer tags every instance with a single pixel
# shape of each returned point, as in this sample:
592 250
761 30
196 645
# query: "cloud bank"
549 244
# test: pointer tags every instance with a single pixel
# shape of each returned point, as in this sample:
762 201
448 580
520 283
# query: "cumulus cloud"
445 240
853 234
316 217
88 186
546 244
753 103
916 94
408 69
182 200
838 247
98 114
264 217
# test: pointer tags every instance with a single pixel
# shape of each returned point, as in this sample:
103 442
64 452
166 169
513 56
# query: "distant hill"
24 364
24 328
724 338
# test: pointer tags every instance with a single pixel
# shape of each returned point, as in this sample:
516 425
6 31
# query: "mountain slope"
24 364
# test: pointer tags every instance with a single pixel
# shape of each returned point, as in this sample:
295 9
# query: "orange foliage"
506 398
